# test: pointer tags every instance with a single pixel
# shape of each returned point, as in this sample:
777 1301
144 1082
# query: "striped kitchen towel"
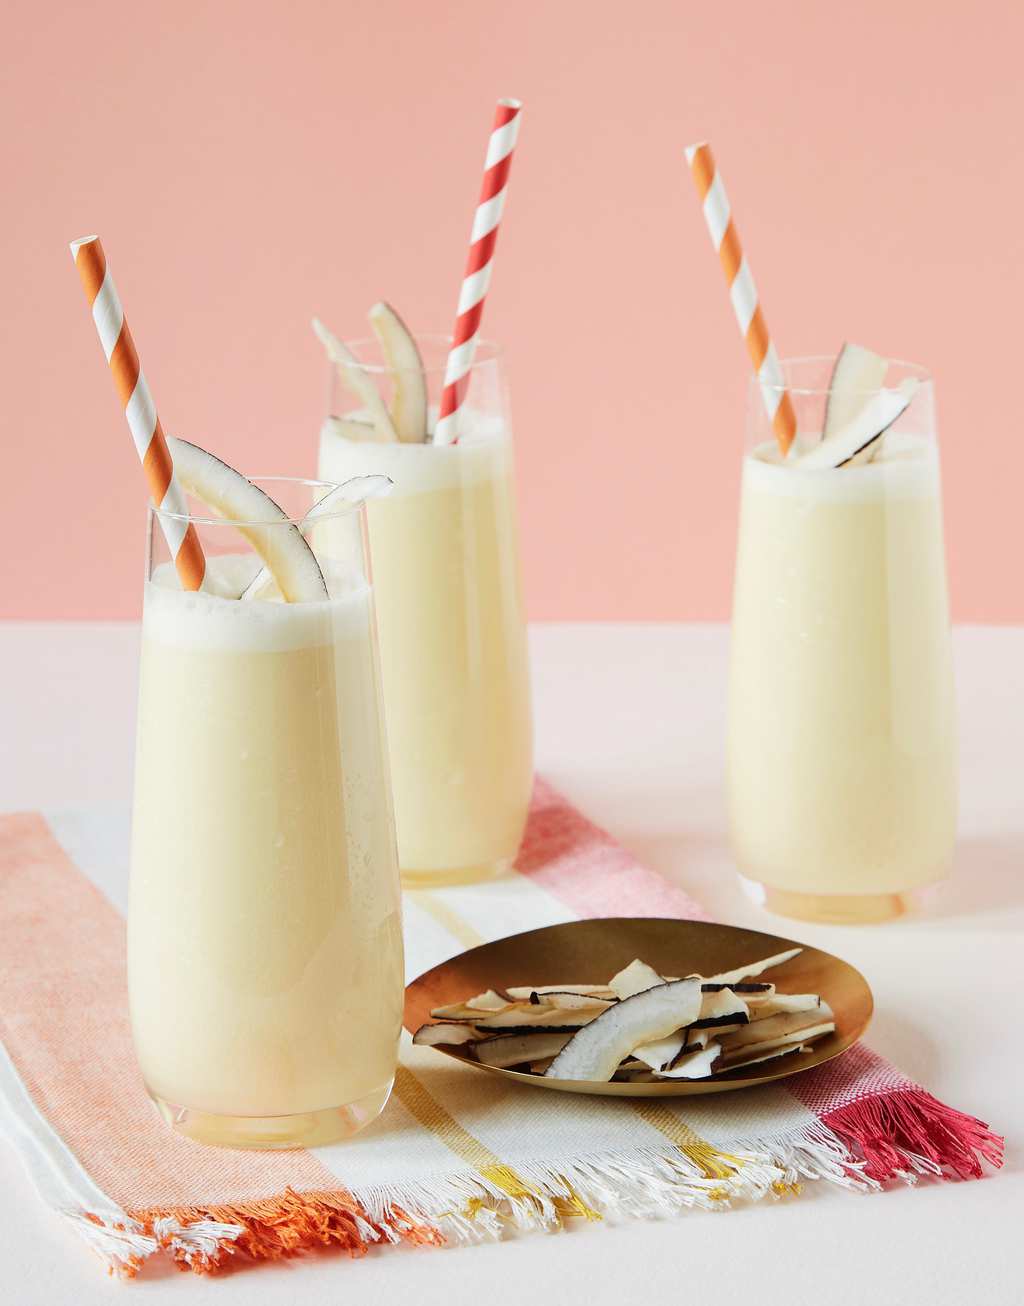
457 1156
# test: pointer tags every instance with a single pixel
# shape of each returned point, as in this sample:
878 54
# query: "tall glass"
842 756
264 936
453 640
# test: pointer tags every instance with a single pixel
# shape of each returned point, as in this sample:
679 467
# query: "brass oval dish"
588 952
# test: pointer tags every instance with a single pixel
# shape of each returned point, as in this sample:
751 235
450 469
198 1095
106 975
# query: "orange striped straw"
742 292
133 390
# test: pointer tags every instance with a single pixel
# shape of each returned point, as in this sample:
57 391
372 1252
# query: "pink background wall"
250 163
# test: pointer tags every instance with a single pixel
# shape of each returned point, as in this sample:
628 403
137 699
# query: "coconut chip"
594 1052
774 1004
526 992
694 1065
721 1007
635 978
660 1053
505 1050
755 968
784 1025
459 1011
735 1063
445 1035
489 1001
528 1017
566 1001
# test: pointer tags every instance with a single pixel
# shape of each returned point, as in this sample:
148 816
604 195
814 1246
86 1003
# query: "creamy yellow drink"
453 645
265 946
842 764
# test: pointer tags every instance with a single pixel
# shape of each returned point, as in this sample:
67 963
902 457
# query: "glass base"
266 1133
833 908
444 875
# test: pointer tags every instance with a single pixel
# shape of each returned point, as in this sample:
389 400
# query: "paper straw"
130 383
477 278
742 292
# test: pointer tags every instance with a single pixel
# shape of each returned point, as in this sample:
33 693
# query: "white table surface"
630 725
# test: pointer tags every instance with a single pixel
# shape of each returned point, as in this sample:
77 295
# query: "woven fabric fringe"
203 1240
897 1136
908 1132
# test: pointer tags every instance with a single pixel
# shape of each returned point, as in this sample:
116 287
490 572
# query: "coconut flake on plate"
662 1052
635 978
525 991
489 1001
694 1065
721 1007
569 1001
595 1051
774 1004
741 973
445 1035
537 1017
463 1010
786 1022
505 1050
756 1058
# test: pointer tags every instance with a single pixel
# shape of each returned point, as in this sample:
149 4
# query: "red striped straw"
133 389
743 292
482 240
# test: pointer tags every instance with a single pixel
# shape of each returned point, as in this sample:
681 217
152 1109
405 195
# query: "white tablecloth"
630 725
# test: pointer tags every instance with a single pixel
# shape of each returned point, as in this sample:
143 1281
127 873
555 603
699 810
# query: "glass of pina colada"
264 940
449 600
842 756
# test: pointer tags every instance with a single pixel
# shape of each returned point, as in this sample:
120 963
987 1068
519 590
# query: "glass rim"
487 351
916 370
193 519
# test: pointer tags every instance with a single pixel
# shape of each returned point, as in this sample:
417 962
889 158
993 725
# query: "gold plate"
590 952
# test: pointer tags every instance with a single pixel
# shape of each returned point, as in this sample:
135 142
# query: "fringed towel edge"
906 1132
895 1136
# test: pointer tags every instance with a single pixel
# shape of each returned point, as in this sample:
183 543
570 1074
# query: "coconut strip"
754 968
581 990
634 978
695 1065
596 1050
